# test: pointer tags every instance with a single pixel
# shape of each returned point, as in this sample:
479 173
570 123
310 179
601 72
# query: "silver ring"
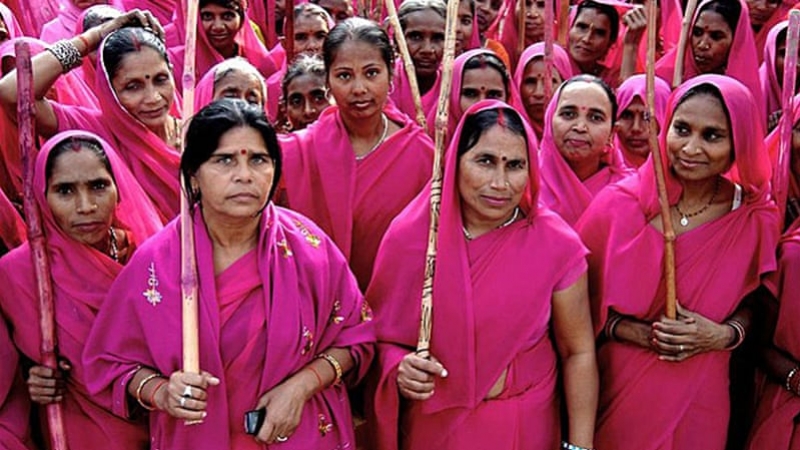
182 402
281 438
187 392
680 348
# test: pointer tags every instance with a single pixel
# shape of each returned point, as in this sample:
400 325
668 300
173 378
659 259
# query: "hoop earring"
391 87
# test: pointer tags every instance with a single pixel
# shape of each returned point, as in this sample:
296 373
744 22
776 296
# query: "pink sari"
81 277
508 35
154 163
12 228
263 319
770 87
717 264
204 91
636 87
762 37
33 14
88 70
162 9
562 191
495 289
66 22
401 95
14 404
354 201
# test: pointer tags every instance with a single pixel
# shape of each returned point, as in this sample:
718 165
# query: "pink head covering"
770 87
13 27
561 64
260 12
613 57
88 69
12 228
162 9
762 37
773 144
65 24
636 86
33 14
204 91
508 35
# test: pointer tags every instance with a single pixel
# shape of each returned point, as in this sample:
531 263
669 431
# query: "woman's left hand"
284 405
688 335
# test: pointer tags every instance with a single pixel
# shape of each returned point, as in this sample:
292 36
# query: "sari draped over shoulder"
81 277
495 289
354 201
402 98
14 403
717 265
164 10
262 320
770 87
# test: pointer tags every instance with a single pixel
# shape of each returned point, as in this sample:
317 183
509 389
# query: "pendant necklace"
684 221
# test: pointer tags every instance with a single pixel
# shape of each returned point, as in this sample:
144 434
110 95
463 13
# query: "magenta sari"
12 25
204 91
495 289
12 228
81 277
770 87
354 201
762 37
164 10
401 95
63 26
636 87
263 319
717 264
33 14
14 404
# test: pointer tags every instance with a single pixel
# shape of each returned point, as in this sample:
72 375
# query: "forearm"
630 330
143 386
319 374
629 56
581 391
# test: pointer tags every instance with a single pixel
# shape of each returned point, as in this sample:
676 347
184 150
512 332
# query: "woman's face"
582 123
220 25
487 11
359 80
235 181
780 58
339 10
589 37
532 89
534 20
242 85
633 129
480 84
425 35
761 10
699 140
492 177
310 32
464 27
306 98
82 196
711 42
144 86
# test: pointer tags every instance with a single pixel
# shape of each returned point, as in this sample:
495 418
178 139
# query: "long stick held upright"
408 63
191 346
26 112
677 76
563 23
522 11
288 35
666 216
442 110
548 50
782 170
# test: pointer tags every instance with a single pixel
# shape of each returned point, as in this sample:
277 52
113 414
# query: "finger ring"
182 402
281 438
187 392
680 348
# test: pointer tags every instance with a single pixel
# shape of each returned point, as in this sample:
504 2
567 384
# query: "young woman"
529 79
633 127
305 93
593 32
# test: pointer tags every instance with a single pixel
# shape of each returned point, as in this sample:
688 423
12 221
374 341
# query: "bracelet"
611 327
319 378
738 331
152 399
335 364
85 43
567 446
789 378
67 54
141 386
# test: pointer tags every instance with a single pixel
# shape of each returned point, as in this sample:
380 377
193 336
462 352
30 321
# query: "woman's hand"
46 385
416 376
636 21
135 18
284 404
185 395
688 335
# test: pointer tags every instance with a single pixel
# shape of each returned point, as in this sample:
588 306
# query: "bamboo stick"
677 76
271 34
521 26
563 23
288 35
783 170
442 110
26 111
408 63
548 50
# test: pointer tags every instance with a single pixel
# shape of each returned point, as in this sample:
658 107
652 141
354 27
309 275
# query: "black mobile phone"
253 420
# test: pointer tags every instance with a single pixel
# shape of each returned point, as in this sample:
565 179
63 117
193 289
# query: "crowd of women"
307 175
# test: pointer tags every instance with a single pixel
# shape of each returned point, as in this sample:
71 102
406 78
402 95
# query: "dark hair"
312 9
490 60
97 14
607 10
730 10
409 7
477 124
362 30
303 65
207 127
127 40
471 5
236 5
591 79
73 144
710 90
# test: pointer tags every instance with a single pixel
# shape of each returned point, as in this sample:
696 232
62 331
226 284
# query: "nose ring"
508 184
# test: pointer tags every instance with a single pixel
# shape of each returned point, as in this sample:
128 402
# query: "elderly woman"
507 271
94 214
633 126
529 79
362 161
282 322
727 228
232 78
305 93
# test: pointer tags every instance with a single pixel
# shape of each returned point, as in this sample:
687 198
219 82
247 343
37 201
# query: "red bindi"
243 151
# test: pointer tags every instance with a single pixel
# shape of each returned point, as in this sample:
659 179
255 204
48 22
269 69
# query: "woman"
727 230
361 162
14 404
282 321
578 157
593 33
773 145
64 24
633 126
490 14
765 14
529 79
232 78
467 36
305 93
534 27
474 393
90 18
338 10
771 73
94 214
423 24
136 93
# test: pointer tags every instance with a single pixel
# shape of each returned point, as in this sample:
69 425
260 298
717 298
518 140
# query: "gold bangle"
141 387
335 364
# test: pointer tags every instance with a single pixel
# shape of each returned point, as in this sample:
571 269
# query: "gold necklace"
380 141
508 222
685 217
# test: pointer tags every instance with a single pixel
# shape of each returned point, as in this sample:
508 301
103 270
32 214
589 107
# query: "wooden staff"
408 63
783 170
442 109
548 50
26 116
563 23
521 26
272 33
655 149
288 35
677 76
189 315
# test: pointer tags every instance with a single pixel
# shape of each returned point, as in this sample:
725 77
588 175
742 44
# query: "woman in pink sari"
94 214
718 188
281 320
14 404
511 314
232 78
592 39
163 10
578 157
12 228
633 128
529 79
773 144
361 162
771 73
64 24
90 18
304 95
765 14
136 93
